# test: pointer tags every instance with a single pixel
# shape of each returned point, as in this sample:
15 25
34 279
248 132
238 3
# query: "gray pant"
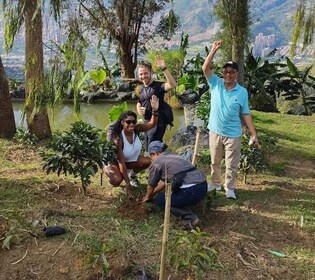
231 149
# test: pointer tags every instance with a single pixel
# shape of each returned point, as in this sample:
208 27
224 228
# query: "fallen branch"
249 265
60 246
243 235
75 239
20 259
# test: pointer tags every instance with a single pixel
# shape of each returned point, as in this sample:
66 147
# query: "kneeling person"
193 186
124 134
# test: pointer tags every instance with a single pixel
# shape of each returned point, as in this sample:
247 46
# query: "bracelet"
164 68
155 114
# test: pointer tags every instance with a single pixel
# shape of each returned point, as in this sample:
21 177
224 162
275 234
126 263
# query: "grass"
266 215
295 134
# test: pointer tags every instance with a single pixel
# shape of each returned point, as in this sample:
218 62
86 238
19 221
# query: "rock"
123 96
187 137
202 88
188 97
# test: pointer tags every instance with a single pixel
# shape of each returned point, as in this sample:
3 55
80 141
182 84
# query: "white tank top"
131 151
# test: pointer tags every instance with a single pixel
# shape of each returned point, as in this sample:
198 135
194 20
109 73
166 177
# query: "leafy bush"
25 137
253 158
203 108
79 152
196 256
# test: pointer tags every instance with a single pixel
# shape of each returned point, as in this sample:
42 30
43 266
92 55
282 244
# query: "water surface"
96 114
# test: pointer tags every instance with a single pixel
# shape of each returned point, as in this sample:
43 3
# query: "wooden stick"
20 259
60 246
166 228
194 159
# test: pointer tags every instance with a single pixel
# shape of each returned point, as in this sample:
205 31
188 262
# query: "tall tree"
129 24
304 24
30 12
7 122
234 15
36 110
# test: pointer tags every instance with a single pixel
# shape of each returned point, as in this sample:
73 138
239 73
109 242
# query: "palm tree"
29 12
7 122
36 110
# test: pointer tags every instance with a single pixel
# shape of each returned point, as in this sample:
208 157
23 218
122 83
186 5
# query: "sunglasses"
229 72
130 121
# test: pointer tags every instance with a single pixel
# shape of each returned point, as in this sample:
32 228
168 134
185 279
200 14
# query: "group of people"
229 110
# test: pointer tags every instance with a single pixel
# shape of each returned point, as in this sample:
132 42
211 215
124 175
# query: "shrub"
196 256
253 158
79 152
25 137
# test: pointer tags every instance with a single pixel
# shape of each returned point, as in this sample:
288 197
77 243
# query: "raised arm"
142 127
170 81
206 67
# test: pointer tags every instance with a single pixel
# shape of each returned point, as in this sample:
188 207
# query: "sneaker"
134 182
190 225
213 187
230 193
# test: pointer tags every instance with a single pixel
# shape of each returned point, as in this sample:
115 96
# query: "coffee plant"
80 152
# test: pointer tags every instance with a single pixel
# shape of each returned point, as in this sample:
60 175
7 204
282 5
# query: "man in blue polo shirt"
229 106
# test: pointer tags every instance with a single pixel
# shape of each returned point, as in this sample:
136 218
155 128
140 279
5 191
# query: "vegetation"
196 256
127 25
300 81
81 152
304 24
30 13
234 16
254 159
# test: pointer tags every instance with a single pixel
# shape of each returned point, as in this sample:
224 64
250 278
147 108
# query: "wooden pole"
165 228
195 155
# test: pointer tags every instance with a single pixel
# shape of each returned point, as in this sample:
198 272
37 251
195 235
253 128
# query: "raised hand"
160 62
216 45
154 103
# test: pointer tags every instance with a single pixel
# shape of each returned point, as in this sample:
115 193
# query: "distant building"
264 44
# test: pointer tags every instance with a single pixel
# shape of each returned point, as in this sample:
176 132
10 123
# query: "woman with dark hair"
191 184
124 133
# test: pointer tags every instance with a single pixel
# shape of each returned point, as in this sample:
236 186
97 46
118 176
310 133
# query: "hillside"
273 16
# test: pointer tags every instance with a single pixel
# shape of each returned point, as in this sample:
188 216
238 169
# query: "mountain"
267 16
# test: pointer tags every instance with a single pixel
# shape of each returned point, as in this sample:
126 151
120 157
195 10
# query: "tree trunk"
238 56
7 122
36 113
127 64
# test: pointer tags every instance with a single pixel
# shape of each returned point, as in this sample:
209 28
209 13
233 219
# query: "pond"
96 114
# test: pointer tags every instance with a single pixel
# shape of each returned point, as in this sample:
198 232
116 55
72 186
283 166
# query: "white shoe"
213 187
230 193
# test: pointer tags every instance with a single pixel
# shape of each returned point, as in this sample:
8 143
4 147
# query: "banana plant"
299 81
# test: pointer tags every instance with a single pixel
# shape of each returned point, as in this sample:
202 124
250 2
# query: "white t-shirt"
131 151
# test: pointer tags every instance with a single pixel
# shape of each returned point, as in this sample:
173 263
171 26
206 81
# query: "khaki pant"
231 147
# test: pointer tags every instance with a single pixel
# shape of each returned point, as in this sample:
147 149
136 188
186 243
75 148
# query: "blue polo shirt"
226 108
